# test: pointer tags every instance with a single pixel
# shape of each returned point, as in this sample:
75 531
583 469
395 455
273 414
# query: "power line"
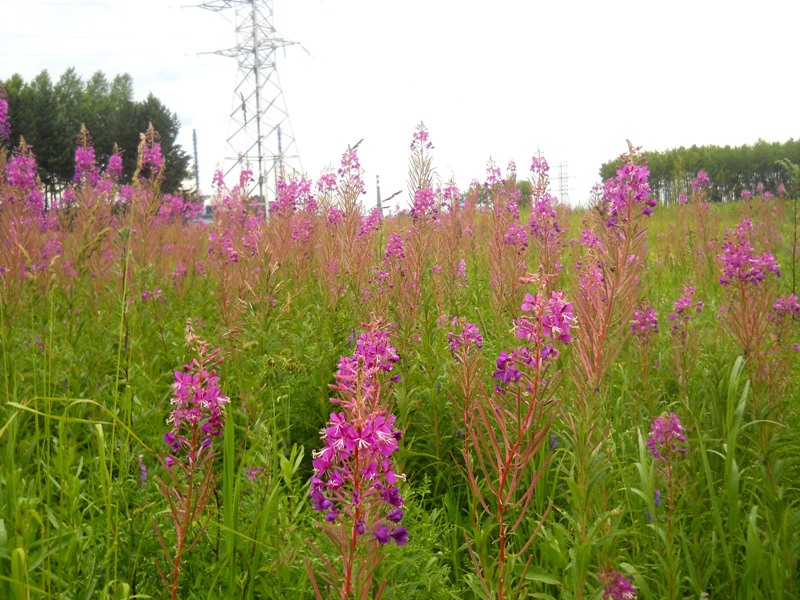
74 37
97 54
50 3
72 3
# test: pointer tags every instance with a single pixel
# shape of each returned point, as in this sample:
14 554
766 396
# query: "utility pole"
196 164
379 204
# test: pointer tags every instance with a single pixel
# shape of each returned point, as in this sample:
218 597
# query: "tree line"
49 117
731 169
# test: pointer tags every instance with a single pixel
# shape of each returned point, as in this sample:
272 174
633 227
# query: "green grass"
86 373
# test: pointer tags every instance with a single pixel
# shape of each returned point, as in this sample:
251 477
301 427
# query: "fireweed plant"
750 283
418 239
616 586
505 428
355 485
32 240
784 337
607 296
703 237
508 239
682 333
345 247
644 328
667 444
146 196
239 252
545 231
609 272
197 418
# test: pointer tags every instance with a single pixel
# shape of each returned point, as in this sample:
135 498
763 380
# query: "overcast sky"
498 79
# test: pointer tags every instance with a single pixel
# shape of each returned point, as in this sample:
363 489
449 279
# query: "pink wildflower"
616 586
701 182
645 321
666 437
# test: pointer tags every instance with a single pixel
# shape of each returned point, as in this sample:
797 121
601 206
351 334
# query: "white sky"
498 78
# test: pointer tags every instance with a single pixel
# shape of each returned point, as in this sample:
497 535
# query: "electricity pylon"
261 136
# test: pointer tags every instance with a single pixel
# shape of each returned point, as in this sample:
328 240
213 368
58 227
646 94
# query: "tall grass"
96 291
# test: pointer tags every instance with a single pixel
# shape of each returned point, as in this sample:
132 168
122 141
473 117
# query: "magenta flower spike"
195 420
86 165
5 126
645 322
701 182
354 483
627 196
616 586
739 260
667 438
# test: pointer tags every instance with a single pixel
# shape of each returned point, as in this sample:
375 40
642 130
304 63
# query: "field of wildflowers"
469 399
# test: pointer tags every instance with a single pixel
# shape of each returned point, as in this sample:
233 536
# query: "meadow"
475 398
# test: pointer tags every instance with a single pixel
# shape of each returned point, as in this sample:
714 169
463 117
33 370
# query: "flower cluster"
354 478
701 182
555 316
550 321
22 173
451 196
292 194
666 437
177 209
151 155
616 586
369 224
86 165
539 166
5 126
544 222
302 227
424 205
461 273
683 308
645 322
373 353
507 370
627 191
590 240
785 308
420 139
350 170
114 168
394 248
740 262
326 182
335 217
516 237
469 334
196 416
375 439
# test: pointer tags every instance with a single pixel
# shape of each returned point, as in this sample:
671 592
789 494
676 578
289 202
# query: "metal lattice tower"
261 136
563 182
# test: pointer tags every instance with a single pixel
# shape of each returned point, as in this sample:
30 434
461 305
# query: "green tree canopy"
731 169
49 117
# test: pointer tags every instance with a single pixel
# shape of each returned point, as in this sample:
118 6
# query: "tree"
731 169
49 118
